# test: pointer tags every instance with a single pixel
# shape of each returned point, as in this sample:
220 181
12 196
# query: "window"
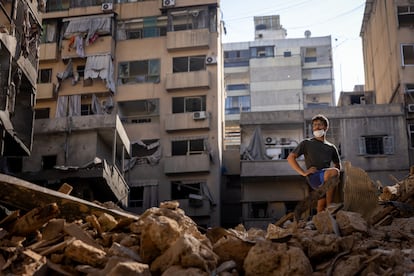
236 58
42 113
57 5
145 28
136 196
287 54
187 147
140 111
243 86
405 16
48 162
407 52
49 31
411 134
409 88
317 82
188 104
189 19
310 55
140 71
237 104
86 109
376 145
45 76
189 64
259 52
184 189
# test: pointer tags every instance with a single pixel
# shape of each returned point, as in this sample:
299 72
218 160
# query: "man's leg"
321 205
329 175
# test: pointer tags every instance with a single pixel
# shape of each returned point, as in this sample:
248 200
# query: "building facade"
366 135
275 73
388 49
19 37
135 86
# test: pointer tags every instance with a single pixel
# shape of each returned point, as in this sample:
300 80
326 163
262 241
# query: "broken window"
407 53
189 64
57 5
44 76
258 210
140 71
376 144
48 162
310 55
262 51
136 196
190 19
184 189
405 16
48 32
142 28
42 113
188 104
187 147
237 104
140 111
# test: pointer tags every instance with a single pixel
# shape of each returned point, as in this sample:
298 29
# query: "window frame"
188 147
193 64
152 75
45 75
403 54
372 147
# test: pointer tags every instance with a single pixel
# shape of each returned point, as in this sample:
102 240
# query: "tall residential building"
20 31
388 48
130 103
274 73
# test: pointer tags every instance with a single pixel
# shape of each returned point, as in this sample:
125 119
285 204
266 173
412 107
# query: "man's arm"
295 165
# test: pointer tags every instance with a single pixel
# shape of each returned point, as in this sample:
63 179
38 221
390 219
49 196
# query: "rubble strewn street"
164 241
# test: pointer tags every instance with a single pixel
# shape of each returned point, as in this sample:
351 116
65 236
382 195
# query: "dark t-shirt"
317 153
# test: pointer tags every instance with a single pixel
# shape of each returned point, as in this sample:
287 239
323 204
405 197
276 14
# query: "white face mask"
319 133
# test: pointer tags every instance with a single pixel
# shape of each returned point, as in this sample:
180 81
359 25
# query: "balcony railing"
187 163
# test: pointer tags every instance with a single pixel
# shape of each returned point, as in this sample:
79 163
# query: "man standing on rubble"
319 156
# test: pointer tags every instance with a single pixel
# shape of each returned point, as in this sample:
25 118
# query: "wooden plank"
23 195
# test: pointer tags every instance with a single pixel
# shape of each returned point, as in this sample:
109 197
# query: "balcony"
187 163
185 121
188 80
179 40
268 168
102 45
48 51
44 91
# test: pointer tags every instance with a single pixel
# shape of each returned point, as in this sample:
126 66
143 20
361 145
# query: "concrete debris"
164 241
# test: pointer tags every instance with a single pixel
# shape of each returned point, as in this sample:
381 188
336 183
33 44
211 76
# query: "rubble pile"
164 241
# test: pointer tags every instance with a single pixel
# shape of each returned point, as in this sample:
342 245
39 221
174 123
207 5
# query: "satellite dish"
307 33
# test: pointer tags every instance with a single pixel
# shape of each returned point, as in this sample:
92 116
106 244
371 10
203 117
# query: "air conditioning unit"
107 7
168 3
270 141
410 108
211 60
199 115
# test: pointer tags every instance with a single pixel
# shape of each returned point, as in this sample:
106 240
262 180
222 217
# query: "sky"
340 19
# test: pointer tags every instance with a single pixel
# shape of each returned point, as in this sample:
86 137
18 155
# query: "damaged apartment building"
20 31
129 103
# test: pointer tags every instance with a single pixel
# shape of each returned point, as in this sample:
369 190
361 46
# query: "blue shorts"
315 180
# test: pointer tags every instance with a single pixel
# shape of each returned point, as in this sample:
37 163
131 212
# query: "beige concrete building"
20 30
130 103
388 48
